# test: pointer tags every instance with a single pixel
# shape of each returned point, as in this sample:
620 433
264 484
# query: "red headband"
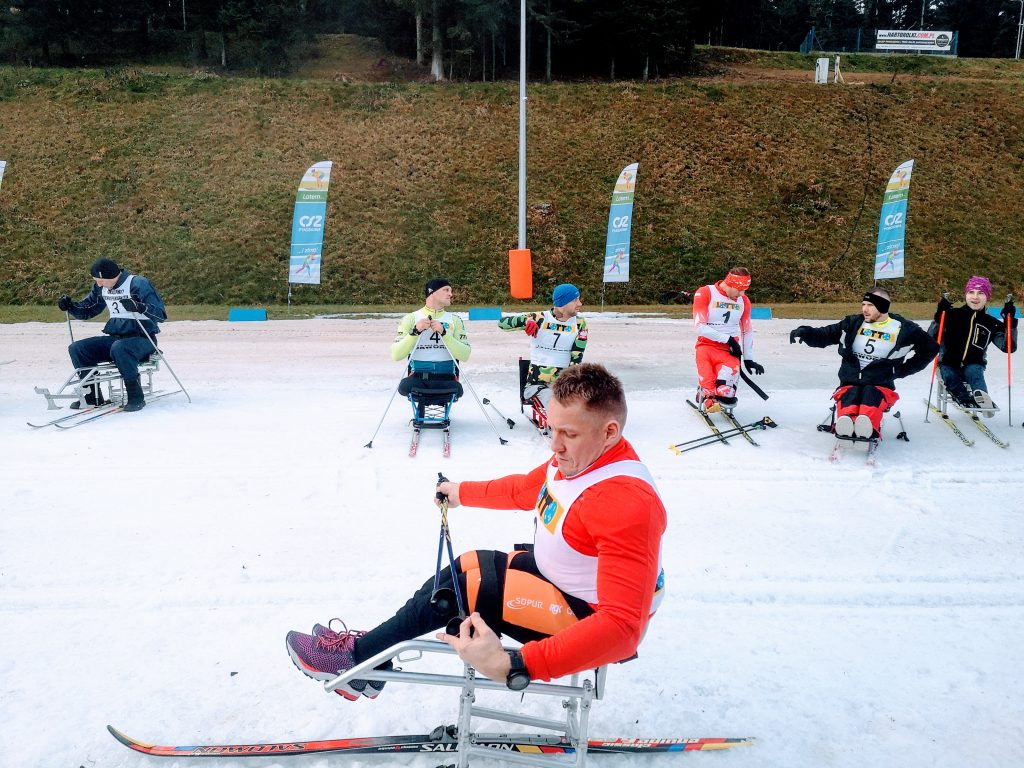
737 282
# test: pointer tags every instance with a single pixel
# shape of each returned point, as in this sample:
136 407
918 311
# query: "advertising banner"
892 224
925 41
620 225
308 224
3 167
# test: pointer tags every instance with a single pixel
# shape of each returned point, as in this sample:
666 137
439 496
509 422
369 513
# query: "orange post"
935 365
520 273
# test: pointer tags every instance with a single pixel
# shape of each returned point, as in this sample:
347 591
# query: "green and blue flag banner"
892 224
308 224
620 225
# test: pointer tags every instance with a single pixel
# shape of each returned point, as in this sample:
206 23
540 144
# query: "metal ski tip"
503 441
369 444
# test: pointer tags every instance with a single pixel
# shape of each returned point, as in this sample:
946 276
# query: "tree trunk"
483 54
547 67
613 70
419 36
437 43
201 53
223 50
647 66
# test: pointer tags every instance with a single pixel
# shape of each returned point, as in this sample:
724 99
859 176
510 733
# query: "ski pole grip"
441 479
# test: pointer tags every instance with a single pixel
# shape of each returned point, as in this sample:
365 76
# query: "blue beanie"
565 293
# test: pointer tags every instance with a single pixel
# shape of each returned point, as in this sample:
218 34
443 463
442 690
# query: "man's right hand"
944 306
797 334
421 326
734 348
64 303
449 489
531 327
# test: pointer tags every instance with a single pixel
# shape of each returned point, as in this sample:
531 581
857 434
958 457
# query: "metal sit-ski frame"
82 381
577 698
538 414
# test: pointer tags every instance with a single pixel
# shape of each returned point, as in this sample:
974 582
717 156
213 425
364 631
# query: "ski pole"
483 410
164 358
1009 355
379 423
935 365
508 421
713 438
903 430
442 598
71 333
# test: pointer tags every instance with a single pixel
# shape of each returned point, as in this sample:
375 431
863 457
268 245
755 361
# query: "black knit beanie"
105 268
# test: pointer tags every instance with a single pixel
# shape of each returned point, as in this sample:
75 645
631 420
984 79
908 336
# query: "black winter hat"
105 268
435 285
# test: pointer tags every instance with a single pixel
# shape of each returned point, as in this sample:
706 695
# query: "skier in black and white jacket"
877 347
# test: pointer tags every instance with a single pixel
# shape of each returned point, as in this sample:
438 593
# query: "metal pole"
522 124
164 358
923 3
1020 28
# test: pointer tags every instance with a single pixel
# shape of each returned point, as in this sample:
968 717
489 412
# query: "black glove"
944 306
752 367
797 334
734 347
64 303
1008 310
133 305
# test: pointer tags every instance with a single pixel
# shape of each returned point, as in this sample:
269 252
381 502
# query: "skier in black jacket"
966 333
876 348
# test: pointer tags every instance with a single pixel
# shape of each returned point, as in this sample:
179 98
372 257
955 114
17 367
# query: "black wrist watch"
518 678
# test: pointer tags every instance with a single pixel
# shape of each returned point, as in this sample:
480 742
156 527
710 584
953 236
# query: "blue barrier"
994 311
485 313
239 314
760 313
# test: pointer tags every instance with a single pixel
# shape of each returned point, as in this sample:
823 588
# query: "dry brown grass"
190 180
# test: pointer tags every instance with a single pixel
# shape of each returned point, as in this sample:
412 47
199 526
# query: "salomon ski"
441 739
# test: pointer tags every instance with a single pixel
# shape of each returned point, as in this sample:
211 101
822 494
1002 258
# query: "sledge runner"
434 342
876 347
725 336
558 339
131 300
584 591
967 332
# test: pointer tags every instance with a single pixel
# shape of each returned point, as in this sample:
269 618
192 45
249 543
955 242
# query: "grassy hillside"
190 180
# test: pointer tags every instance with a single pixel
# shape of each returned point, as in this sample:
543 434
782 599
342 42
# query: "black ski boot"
136 401
93 398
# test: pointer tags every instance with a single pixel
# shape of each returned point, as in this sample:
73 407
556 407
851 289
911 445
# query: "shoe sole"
844 427
862 427
315 674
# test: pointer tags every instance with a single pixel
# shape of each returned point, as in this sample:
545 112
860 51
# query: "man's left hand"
478 646
1008 310
752 367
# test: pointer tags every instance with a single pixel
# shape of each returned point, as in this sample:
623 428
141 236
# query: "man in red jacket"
579 597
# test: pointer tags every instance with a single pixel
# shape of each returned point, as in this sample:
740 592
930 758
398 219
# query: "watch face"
517 681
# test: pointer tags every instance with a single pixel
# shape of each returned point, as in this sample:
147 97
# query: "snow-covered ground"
151 564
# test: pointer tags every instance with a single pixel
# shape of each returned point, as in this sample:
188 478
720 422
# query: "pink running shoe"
325 655
372 688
